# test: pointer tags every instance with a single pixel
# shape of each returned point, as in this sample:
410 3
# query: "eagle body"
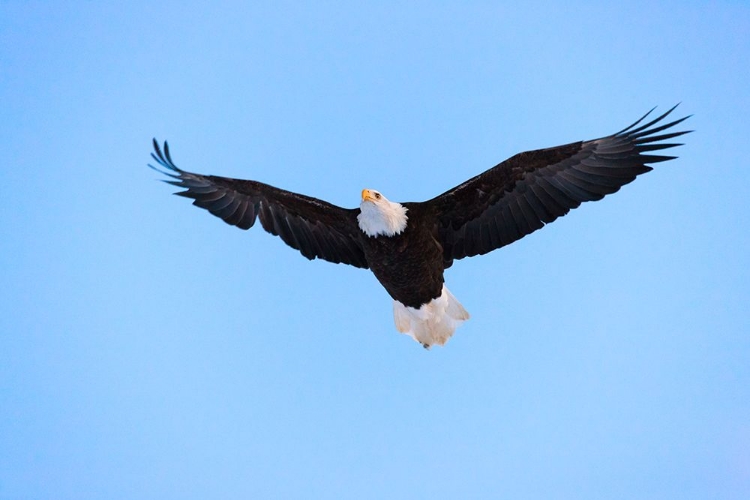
405 255
408 262
409 265
408 246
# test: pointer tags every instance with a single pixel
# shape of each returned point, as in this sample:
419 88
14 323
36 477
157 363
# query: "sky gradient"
148 350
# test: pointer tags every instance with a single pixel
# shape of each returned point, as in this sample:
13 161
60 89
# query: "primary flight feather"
409 245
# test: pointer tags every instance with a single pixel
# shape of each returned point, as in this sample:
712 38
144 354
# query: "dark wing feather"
531 189
314 227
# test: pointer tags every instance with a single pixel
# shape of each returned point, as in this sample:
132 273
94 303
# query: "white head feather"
379 216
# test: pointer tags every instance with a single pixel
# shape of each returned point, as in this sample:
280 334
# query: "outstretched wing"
531 189
314 227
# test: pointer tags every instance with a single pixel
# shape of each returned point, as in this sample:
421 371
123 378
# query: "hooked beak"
367 195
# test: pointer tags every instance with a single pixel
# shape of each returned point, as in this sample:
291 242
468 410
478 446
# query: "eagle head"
379 216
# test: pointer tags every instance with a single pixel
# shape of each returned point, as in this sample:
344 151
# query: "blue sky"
147 350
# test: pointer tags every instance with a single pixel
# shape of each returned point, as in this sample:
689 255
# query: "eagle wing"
531 189
316 228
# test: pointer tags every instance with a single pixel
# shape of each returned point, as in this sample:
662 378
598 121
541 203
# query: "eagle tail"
434 322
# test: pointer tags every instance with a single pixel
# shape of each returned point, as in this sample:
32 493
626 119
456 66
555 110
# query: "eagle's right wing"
316 228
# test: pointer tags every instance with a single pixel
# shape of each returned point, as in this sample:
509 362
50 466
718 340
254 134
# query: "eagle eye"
377 195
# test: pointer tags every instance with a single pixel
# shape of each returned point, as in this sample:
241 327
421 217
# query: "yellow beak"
367 195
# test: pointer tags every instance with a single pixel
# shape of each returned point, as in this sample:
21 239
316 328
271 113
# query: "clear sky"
148 350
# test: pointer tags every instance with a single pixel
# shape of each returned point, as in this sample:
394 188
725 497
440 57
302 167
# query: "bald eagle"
408 246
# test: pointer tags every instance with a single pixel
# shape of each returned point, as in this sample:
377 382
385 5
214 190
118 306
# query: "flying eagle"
408 246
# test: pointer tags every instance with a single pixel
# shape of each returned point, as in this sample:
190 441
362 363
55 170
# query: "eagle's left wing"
315 227
531 189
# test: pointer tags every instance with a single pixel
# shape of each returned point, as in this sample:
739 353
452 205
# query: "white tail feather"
434 322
